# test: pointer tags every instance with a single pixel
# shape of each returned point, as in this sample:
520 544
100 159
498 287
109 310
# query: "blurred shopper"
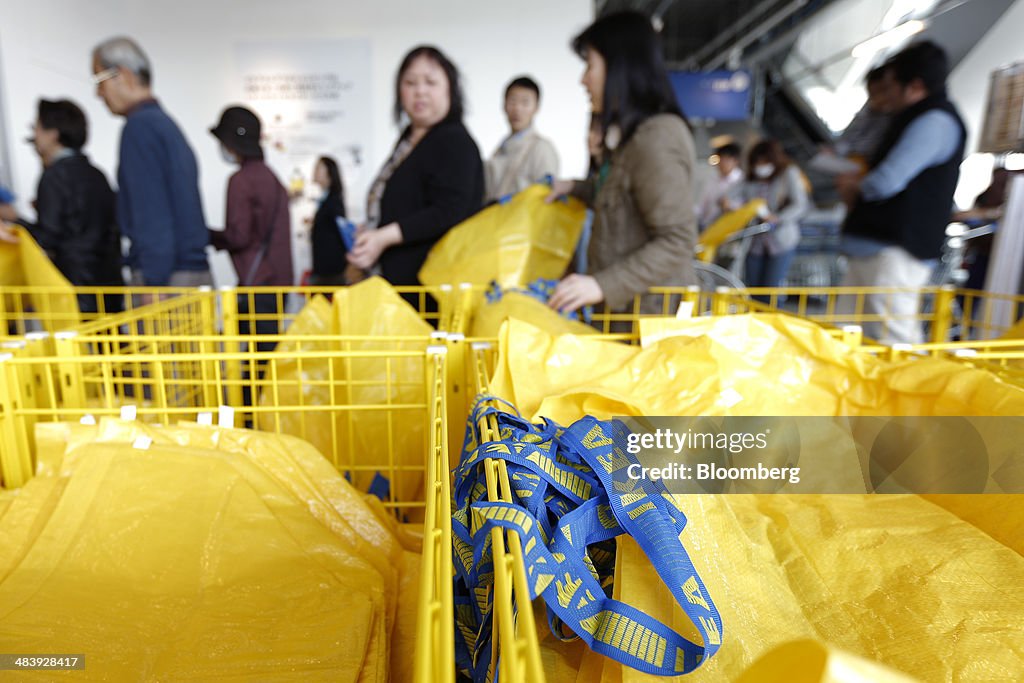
524 157
899 211
644 230
76 210
988 208
773 177
715 200
329 263
158 203
8 214
257 227
433 179
861 139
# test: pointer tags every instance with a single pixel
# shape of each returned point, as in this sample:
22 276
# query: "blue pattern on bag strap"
568 505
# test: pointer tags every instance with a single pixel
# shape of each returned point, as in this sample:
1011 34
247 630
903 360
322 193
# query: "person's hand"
366 250
7 233
370 244
848 185
575 292
559 189
771 218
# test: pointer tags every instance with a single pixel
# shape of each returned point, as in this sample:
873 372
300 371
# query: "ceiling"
763 35
699 33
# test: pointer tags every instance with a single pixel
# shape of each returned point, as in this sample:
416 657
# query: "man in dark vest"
898 214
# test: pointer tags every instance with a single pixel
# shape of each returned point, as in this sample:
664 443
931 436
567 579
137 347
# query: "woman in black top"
76 208
328 248
434 178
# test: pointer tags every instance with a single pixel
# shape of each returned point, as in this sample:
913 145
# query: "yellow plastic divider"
514 635
156 395
25 309
434 658
168 387
433 304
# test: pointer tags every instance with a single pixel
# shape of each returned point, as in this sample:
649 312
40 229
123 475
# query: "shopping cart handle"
749 231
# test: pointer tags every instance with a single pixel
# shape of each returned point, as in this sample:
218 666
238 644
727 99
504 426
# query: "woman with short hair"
434 178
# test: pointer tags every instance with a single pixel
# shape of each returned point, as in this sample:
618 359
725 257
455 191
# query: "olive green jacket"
645 228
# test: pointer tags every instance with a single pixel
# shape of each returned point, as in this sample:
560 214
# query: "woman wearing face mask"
257 226
644 228
771 176
433 179
329 251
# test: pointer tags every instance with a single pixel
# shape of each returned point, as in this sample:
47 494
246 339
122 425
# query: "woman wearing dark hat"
257 228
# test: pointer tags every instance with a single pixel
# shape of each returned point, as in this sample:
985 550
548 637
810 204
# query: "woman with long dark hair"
329 250
434 177
644 229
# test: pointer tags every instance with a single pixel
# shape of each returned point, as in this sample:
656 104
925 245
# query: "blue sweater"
158 204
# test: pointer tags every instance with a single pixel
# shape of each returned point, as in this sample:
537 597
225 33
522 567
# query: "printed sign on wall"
313 98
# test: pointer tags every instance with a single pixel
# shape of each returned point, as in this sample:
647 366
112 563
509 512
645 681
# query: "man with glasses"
158 203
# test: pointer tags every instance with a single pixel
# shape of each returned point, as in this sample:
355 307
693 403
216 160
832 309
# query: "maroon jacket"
257 209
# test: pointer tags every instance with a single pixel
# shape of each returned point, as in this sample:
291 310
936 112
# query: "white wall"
968 88
46 47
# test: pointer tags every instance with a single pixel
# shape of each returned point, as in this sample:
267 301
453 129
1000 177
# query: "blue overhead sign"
721 95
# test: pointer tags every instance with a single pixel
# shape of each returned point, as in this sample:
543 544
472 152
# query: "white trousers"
898 311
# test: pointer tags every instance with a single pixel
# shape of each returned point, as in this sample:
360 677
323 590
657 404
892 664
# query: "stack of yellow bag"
511 243
26 264
358 441
199 553
932 590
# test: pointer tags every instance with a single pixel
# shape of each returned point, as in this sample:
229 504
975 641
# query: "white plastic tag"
205 419
226 417
142 443
129 413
